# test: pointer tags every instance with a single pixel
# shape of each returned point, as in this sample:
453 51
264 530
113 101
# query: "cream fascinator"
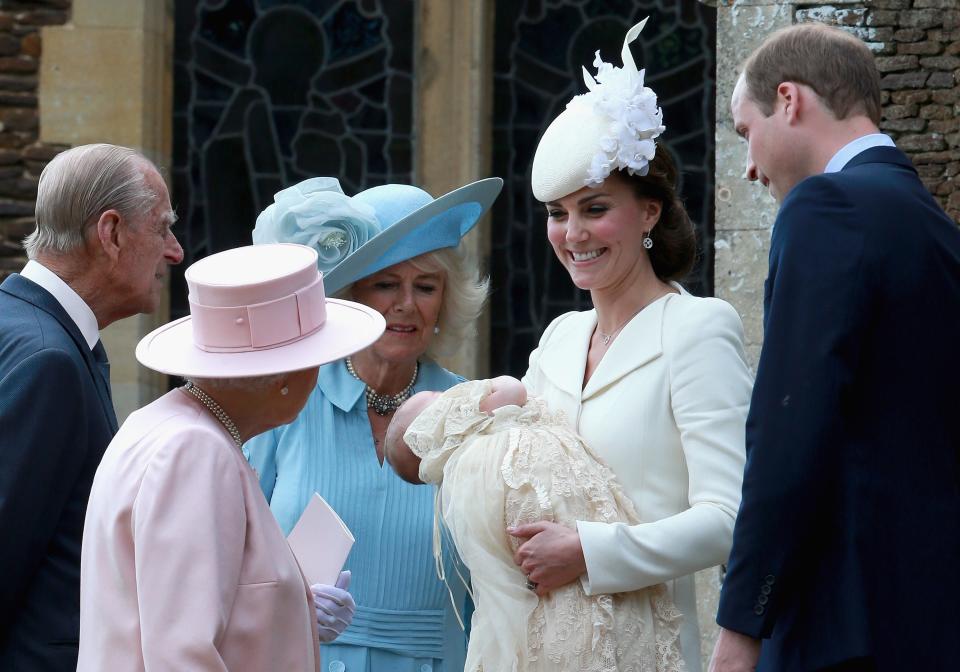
612 126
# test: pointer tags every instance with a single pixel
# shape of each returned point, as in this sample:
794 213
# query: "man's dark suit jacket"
847 543
56 419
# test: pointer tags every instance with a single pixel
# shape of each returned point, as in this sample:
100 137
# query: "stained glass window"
540 47
271 92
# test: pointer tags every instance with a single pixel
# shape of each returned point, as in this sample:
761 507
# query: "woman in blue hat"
395 249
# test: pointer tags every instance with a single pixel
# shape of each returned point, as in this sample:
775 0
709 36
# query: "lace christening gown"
518 466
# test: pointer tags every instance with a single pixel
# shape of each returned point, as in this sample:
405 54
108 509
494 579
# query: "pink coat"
183 566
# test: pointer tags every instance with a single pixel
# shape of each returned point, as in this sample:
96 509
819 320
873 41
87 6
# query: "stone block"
6 20
934 4
903 125
946 187
951 19
18 83
18 64
740 205
740 263
931 157
31 45
147 15
900 111
923 142
930 169
9 45
17 119
9 156
928 48
953 140
940 63
896 63
906 80
909 97
15 208
909 35
42 17
17 99
944 126
953 49
941 80
952 169
936 112
945 96
891 4
832 16
19 187
920 18
884 97
882 17
18 228
43 152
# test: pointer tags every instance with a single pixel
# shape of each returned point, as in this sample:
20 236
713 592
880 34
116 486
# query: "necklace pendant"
605 338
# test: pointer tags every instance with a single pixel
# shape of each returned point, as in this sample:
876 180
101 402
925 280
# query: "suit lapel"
29 291
566 359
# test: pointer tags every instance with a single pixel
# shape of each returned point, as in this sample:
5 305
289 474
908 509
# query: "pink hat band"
259 325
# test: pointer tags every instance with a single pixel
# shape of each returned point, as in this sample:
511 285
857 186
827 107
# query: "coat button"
765 589
336 666
770 579
763 599
758 610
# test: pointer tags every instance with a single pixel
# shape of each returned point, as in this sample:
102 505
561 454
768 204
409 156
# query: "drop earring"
647 240
284 390
436 329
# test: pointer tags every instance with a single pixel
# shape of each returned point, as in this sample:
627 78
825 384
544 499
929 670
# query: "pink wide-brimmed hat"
256 311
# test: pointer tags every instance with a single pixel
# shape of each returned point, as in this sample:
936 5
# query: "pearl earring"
284 390
436 329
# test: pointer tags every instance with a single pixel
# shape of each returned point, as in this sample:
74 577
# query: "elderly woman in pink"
183 566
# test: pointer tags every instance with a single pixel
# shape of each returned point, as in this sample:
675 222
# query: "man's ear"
788 101
110 233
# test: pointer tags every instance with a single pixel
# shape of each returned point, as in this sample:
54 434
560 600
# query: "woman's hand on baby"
334 606
551 555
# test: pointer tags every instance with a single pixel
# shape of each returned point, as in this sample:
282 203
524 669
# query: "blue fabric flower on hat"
317 213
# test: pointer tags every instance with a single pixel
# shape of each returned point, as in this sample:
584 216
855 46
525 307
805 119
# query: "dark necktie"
100 355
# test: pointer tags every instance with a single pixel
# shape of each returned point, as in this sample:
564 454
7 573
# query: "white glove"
335 607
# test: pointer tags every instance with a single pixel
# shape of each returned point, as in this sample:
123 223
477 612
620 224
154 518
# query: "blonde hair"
79 185
464 293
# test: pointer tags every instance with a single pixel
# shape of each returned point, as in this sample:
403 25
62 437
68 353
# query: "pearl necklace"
217 412
385 404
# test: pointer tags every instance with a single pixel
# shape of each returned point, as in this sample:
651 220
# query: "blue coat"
56 419
847 544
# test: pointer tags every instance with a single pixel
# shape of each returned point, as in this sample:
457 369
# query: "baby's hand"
505 391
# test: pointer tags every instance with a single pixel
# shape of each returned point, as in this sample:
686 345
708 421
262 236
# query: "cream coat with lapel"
666 409
183 566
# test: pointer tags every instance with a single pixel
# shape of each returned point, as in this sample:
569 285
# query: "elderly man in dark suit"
100 252
846 550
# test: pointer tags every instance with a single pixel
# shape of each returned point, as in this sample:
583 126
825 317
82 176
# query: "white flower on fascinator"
317 213
634 120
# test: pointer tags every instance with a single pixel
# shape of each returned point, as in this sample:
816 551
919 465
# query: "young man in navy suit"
99 253
846 550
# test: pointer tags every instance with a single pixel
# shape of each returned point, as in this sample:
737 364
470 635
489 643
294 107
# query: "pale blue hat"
379 227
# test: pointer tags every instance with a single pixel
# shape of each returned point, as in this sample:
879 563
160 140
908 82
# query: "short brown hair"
674 239
836 65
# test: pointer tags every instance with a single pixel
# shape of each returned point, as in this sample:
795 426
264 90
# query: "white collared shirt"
76 308
854 147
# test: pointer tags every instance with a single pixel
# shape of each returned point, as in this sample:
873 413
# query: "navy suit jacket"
56 419
847 544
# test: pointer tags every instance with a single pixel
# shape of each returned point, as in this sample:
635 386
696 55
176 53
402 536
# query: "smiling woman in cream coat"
653 378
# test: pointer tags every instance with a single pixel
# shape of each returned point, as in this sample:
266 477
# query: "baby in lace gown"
500 461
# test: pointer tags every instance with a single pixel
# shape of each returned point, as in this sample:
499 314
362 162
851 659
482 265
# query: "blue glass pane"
269 92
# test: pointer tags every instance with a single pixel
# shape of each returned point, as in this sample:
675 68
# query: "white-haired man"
100 252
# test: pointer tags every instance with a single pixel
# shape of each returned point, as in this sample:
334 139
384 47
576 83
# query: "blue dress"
405 621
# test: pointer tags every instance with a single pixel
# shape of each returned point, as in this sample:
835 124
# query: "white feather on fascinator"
613 126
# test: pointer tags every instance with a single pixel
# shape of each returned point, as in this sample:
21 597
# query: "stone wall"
22 157
917 46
